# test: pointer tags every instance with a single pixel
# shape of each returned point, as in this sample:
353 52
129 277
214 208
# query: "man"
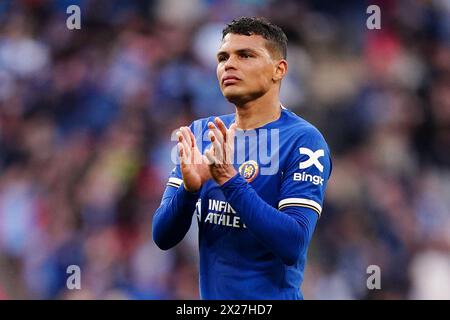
256 213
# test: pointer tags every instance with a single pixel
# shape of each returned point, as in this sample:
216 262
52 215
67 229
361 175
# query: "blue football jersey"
288 164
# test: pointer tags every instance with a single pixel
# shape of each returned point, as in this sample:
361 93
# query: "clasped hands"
216 163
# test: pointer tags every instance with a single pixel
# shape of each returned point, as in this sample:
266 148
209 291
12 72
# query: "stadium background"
86 118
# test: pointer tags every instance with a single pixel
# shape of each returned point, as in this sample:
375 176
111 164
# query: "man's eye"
221 58
245 55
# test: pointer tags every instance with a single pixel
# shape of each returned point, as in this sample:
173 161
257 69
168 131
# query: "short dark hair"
259 26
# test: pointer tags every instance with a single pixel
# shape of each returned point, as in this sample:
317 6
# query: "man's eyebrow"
221 53
246 50
243 50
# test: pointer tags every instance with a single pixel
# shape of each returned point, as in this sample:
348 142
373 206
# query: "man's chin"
233 97
236 100
239 98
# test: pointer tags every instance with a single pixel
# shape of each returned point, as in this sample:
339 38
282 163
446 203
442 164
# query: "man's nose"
230 63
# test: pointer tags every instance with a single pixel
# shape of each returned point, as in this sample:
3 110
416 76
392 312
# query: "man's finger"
218 147
221 126
181 153
229 144
205 159
194 142
182 140
196 155
187 136
212 127
231 133
210 159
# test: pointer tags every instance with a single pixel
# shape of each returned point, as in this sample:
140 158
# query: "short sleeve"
306 173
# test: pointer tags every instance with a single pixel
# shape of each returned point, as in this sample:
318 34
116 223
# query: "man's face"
245 67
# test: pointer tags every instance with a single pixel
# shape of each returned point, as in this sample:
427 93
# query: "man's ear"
281 68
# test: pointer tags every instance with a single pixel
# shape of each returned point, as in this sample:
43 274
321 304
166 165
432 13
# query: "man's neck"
256 113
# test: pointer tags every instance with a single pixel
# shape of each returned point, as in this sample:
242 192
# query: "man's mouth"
229 80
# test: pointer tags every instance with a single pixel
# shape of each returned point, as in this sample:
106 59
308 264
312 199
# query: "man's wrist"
224 179
191 192
233 186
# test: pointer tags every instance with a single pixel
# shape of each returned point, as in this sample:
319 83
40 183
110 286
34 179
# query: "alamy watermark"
261 144
374 280
74 20
374 20
74 279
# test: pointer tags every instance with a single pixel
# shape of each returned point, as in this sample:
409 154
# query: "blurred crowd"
86 124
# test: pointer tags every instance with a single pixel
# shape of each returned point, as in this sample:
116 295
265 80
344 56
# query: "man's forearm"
286 236
173 218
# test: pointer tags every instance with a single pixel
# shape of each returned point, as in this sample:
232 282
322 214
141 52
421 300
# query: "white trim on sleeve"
300 202
174 182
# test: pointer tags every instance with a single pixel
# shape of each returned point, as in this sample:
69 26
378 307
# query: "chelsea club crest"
249 170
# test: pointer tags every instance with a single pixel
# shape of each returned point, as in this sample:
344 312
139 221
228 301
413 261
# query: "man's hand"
193 164
220 156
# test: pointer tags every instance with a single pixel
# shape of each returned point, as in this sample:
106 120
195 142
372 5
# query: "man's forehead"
233 42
